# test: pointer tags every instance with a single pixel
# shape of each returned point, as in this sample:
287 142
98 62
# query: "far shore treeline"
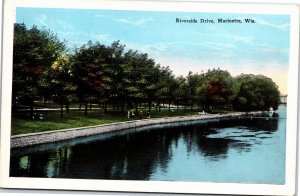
120 79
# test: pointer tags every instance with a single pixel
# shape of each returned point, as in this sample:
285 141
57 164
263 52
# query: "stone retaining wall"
65 134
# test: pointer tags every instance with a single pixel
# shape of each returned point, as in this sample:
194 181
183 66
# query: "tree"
114 89
90 62
167 85
181 94
193 82
34 52
137 72
151 87
62 82
256 92
216 89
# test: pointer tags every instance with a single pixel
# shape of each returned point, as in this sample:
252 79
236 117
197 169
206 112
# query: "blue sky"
258 48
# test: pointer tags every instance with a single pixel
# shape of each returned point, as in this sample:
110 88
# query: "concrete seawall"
66 134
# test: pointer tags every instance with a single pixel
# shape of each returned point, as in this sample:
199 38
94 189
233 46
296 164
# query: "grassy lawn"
23 125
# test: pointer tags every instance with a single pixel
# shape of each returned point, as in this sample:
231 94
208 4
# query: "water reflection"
162 154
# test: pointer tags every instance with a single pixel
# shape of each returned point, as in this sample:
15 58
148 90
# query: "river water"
233 151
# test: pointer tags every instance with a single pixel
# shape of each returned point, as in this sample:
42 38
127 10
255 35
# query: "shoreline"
24 140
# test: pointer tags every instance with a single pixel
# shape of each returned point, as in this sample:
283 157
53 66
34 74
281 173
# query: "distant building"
283 99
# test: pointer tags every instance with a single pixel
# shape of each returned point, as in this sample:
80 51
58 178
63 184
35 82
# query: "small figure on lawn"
131 115
141 115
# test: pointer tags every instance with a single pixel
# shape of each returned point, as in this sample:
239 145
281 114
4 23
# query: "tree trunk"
86 107
158 106
149 106
90 104
117 106
68 106
169 104
45 102
105 107
136 107
122 105
204 107
192 105
31 110
61 110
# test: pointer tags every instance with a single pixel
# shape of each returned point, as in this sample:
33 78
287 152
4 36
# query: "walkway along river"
65 134
220 148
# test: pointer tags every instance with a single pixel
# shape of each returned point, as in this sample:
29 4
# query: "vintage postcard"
147 96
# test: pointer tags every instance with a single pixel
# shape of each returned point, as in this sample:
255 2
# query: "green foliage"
90 61
34 52
167 86
181 90
256 92
216 89
115 78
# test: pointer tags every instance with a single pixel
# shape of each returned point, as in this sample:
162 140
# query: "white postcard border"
150 186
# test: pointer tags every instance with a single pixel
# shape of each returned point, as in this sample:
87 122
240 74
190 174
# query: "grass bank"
21 124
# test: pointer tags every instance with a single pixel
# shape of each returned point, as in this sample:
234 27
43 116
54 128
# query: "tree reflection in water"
136 156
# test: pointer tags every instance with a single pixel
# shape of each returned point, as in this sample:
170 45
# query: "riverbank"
66 134
51 120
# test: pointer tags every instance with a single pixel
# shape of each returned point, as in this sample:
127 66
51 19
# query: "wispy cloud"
67 33
131 21
42 19
223 49
236 38
283 26
196 49
227 36
269 49
151 49
218 45
64 25
160 47
101 37
77 43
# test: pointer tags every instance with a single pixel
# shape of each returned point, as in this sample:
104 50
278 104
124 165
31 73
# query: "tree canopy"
34 51
256 92
118 78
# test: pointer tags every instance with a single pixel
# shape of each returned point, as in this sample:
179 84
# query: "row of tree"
118 78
